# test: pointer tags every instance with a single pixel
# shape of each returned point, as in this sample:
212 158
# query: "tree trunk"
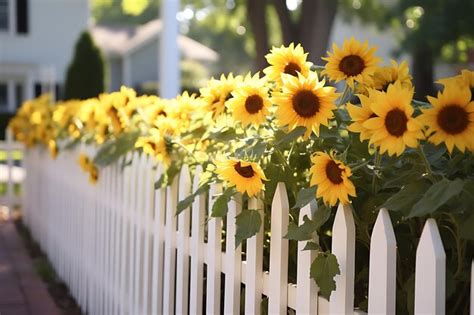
423 63
287 26
256 10
317 17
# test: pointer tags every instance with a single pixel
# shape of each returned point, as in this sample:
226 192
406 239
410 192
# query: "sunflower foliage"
362 141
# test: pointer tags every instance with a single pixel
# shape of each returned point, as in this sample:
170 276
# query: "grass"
17 155
56 287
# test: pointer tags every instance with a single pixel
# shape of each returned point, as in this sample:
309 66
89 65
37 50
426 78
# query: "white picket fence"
10 174
121 249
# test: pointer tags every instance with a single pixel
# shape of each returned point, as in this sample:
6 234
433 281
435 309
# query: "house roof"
122 40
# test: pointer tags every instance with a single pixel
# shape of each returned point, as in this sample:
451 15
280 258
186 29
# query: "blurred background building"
37 39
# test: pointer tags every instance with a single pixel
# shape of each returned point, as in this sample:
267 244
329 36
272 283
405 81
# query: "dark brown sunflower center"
305 103
253 104
333 172
153 145
352 65
453 119
244 171
396 122
292 68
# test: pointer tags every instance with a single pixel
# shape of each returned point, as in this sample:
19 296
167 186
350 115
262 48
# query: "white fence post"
253 267
233 258
343 247
158 247
383 265
306 288
278 295
182 265
430 273
170 253
197 242
214 250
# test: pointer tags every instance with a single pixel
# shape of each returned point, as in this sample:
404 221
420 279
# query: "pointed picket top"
278 295
383 265
430 274
306 288
343 247
197 238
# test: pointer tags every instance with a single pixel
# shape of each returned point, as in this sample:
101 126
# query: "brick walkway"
21 290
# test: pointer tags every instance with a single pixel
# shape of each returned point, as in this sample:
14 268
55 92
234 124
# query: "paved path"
21 291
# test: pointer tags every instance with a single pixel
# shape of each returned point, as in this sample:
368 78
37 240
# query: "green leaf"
406 197
220 206
188 201
303 232
305 195
323 270
321 215
160 182
248 224
111 151
291 136
311 246
436 196
465 228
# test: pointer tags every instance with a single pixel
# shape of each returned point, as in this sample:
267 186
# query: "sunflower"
290 60
93 174
465 78
305 101
84 162
250 102
360 114
332 178
217 93
384 76
155 145
451 119
354 62
245 176
53 149
394 128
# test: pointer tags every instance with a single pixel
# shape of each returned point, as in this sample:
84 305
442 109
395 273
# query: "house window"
18 94
4 15
21 16
3 97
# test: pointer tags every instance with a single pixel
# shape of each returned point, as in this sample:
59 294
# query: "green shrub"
86 73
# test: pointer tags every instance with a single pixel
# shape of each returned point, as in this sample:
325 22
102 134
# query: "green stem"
425 161
459 246
187 150
378 158
344 95
291 151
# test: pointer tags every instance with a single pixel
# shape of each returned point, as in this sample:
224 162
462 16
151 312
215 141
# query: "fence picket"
158 247
214 249
113 247
147 230
306 289
383 265
343 247
253 267
233 260
182 265
277 298
430 272
197 238
170 254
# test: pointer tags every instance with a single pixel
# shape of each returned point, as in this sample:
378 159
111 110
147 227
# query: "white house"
132 53
37 39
